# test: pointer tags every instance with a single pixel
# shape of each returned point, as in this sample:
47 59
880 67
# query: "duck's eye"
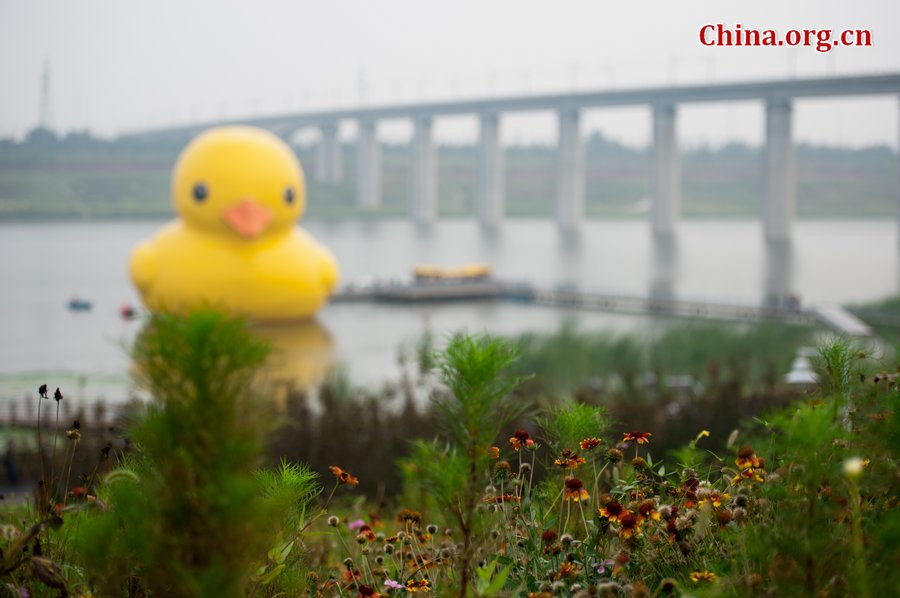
201 191
289 195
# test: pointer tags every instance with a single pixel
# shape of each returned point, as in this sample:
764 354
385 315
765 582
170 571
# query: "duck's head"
238 181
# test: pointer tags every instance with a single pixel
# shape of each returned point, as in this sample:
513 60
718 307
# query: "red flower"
343 476
575 490
501 498
422 585
747 458
639 437
590 443
647 510
569 460
521 439
612 510
630 523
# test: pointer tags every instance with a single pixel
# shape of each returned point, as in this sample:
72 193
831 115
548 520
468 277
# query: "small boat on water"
458 274
128 312
78 304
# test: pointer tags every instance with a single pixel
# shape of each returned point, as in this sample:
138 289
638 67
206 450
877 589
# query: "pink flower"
356 524
390 583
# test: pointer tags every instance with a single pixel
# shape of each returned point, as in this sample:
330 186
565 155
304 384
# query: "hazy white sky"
124 66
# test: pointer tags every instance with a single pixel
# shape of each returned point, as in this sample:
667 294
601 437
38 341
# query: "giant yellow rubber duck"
239 192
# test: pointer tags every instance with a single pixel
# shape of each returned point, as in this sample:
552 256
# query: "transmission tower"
45 97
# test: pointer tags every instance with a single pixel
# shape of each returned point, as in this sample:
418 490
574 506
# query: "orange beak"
248 218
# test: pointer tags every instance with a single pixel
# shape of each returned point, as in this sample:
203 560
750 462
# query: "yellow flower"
703 577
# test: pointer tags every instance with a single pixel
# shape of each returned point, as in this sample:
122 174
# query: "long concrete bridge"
778 96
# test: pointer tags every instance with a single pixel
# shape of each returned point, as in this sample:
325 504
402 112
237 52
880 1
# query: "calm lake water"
43 265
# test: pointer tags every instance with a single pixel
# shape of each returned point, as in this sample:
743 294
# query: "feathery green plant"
193 517
476 371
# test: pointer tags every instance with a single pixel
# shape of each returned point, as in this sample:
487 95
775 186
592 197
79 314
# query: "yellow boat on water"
466 272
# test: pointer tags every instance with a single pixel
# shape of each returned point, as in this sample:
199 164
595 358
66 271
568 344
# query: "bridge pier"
424 172
328 155
368 165
666 202
570 170
781 184
490 172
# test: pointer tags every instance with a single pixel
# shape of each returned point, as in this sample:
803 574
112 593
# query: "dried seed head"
431 529
739 514
333 521
379 560
566 539
388 549
609 588
348 562
667 586
682 523
723 516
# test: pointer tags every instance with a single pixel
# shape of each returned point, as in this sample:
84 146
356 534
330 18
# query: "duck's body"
285 277
239 192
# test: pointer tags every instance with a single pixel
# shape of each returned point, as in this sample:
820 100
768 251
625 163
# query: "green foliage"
289 490
569 359
476 370
567 424
194 517
816 514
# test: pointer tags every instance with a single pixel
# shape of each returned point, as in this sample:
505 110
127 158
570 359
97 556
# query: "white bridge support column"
328 155
781 183
491 172
368 166
424 172
570 170
666 206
